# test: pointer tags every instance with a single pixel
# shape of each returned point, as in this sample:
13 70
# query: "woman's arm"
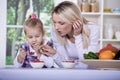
93 45
60 50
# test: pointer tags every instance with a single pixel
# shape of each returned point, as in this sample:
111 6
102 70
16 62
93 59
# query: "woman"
72 34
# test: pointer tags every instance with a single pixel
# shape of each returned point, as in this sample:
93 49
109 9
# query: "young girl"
34 47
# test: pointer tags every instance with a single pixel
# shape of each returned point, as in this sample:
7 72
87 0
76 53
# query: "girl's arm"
19 59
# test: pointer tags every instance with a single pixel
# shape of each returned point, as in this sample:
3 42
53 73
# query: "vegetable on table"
90 55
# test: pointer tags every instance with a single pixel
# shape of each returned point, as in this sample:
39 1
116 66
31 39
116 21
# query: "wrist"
54 52
20 59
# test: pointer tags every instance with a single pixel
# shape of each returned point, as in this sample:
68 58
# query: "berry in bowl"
37 63
68 64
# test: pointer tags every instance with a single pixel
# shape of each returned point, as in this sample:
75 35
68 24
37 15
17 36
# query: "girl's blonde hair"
32 21
70 12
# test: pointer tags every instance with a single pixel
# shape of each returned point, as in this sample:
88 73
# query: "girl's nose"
34 39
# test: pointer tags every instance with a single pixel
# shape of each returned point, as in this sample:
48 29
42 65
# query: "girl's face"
61 26
34 36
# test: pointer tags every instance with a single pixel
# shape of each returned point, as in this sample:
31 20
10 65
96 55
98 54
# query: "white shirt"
75 50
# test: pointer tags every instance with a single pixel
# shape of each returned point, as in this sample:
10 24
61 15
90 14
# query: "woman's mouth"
59 32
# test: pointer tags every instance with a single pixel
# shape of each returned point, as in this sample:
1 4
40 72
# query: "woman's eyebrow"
61 22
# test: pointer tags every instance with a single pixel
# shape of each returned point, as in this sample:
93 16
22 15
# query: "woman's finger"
77 24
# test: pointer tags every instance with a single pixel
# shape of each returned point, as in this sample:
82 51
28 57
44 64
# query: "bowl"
68 64
37 64
103 64
116 10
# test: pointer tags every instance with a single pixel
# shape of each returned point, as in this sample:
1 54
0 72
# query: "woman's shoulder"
93 26
94 29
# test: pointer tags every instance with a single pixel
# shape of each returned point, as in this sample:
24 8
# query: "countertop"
58 74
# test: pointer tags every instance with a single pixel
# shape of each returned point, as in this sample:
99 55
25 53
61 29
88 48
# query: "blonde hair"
34 22
70 12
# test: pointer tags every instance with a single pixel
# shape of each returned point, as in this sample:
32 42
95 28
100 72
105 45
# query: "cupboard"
108 15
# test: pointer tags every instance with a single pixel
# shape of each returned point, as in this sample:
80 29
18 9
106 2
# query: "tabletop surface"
58 74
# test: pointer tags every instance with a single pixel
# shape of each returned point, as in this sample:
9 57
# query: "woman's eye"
54 22
61 23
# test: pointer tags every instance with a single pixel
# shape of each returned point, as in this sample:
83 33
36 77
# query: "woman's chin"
62 35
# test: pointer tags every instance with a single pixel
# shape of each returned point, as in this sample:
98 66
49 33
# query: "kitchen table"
58 74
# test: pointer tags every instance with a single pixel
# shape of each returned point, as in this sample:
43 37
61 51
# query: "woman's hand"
77 26
21 55
47 50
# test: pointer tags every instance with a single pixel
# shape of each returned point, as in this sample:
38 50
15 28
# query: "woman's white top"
75 51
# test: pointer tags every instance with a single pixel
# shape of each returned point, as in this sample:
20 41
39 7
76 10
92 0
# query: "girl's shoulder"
24 46
25 43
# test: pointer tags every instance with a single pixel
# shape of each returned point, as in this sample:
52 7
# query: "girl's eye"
30 37
37 36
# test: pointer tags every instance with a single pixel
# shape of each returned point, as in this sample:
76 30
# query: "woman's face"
61 26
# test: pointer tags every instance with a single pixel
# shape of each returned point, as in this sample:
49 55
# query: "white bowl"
37 64
68 64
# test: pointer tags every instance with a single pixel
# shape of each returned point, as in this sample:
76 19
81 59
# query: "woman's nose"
56 26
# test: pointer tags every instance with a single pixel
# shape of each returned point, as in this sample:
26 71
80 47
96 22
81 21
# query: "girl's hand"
21 55
77 26
37 48
47 50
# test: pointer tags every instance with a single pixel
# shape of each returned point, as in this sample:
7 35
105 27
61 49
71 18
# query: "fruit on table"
36 60
106 55
117 56
109 47
31 53
90 55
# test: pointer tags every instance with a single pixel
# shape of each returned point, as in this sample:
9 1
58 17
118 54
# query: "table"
58 74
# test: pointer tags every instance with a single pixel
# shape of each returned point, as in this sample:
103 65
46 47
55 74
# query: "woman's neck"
71 38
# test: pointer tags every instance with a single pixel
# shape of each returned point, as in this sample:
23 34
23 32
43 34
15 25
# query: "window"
17 12
13 14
